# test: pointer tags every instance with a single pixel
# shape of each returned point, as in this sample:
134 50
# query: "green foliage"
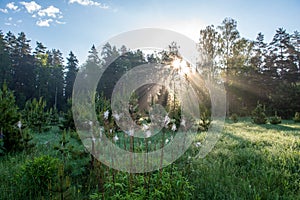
10 135
39 175
171 184
275 119
205 118
258 115
249 162
2 148
297 117
36 116
68 121
234 117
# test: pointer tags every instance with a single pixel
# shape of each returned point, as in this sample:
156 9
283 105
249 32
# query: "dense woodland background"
252 70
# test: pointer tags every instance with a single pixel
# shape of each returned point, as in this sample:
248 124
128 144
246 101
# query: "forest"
42 156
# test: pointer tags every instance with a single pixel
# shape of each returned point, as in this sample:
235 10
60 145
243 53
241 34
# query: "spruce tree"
9 118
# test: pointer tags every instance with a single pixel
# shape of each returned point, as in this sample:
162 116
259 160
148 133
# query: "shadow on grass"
282 127
241 169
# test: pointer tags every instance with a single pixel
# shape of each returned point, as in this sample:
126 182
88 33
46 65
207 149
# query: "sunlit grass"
248 162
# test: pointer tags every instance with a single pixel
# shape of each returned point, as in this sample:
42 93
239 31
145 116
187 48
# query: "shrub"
234 118
67 122
297 117
36 116
205 118
258 115
39 175
275 119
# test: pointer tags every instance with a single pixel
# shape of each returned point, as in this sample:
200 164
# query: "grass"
251 162
248 162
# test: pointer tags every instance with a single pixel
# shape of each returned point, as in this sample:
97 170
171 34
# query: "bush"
36 116
39 175
297 117
275 119
234 118
258 115
205 118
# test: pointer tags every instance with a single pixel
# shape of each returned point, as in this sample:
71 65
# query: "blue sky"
78 24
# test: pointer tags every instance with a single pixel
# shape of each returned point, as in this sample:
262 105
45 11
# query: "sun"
181 66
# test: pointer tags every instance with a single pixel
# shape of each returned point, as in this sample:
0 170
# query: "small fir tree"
10 135
258 115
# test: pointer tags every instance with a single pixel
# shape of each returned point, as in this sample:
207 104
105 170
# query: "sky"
75 25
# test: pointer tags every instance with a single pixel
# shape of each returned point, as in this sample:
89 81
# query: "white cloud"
19 21
12 6
3 10
31 6
44 23
60 22
10 18
51 11
89 3
7 24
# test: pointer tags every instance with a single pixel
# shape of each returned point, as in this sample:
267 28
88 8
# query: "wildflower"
130 132
182 122
166 121
19 124
198 144
105 115
174 127
145 127
93 139
117 116
148 134
115 139
167 141
90 123
110 130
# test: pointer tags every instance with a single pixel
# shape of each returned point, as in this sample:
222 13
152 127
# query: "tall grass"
248 162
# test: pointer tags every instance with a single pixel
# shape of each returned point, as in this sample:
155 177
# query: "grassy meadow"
248 162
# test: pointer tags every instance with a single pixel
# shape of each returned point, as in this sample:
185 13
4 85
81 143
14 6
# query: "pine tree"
71 74
5 64
8 120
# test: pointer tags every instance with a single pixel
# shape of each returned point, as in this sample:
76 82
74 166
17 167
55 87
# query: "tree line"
252 70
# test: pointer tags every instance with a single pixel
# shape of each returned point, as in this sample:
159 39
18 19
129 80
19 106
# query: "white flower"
19 124
93 139
105 114
90 123
167 120
174 127
110 130
167 140
198 144
117 116
115 139
145 127
182 122
148 134
130 132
